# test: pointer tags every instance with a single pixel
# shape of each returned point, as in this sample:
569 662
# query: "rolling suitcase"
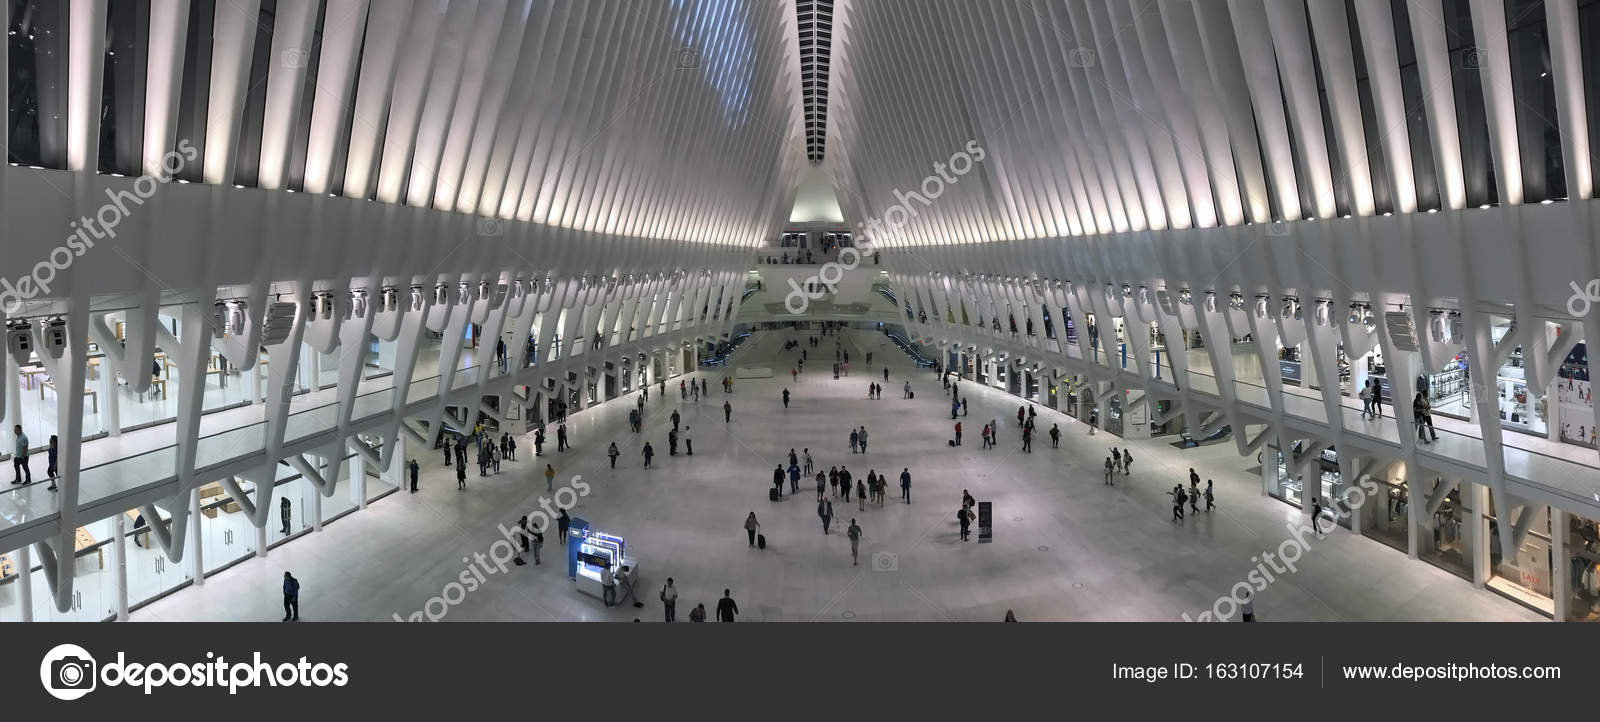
772 494
761 541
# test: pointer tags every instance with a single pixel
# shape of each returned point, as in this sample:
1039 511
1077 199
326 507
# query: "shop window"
1583 569
1445 538
1574 394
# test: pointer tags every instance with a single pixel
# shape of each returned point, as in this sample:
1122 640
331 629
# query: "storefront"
1447 390
1575 400
1583 569
1384 515
1328 485
1524 574
1521 409
1446 538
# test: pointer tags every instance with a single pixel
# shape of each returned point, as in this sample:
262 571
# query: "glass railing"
314 420
371 404
422 390
121 476
465 377
1203 382
1252 393
233 443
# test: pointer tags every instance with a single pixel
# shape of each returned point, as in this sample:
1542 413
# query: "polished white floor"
1066 546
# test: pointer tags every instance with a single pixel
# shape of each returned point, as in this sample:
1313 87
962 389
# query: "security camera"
19 336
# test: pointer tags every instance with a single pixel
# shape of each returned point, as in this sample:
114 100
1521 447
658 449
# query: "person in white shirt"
669 600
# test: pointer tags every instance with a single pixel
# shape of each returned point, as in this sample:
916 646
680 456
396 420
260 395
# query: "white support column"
119 562
1478 531
196 555
316 512
111 399
25 580
261 542
1560 566
358 481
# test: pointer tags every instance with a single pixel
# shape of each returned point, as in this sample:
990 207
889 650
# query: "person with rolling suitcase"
750 527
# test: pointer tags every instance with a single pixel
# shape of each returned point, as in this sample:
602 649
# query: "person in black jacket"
726 607
413 468
291 598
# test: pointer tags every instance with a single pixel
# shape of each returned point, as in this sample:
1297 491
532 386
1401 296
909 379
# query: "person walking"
536 543
1194 479
1421 408
964 518
987 443
613 453
608 585
494 458
1366 400
414 468
1127 462
1178 497
19 459
786 398
1055 436
549 477
807 454
1110 466
291 598
905 484
907 389
561 438
562 523
649 453
1194 499
461 477
1209 504
448 448
523 540
669 593
52 453
777 479
958 431
861 496
726 607
794 478
1316 515
750 527
727 412
793 459
538 441
863 439
854 440
688 443
854 532
825 512
1116 459
994 433
675 418
1027 440
1377 397
822 485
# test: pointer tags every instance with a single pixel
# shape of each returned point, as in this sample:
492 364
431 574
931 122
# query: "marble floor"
1066 547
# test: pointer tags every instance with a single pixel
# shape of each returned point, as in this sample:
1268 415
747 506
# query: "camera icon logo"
491 227
296 58
68 672
1080 58
687 58
1472 59
885 562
